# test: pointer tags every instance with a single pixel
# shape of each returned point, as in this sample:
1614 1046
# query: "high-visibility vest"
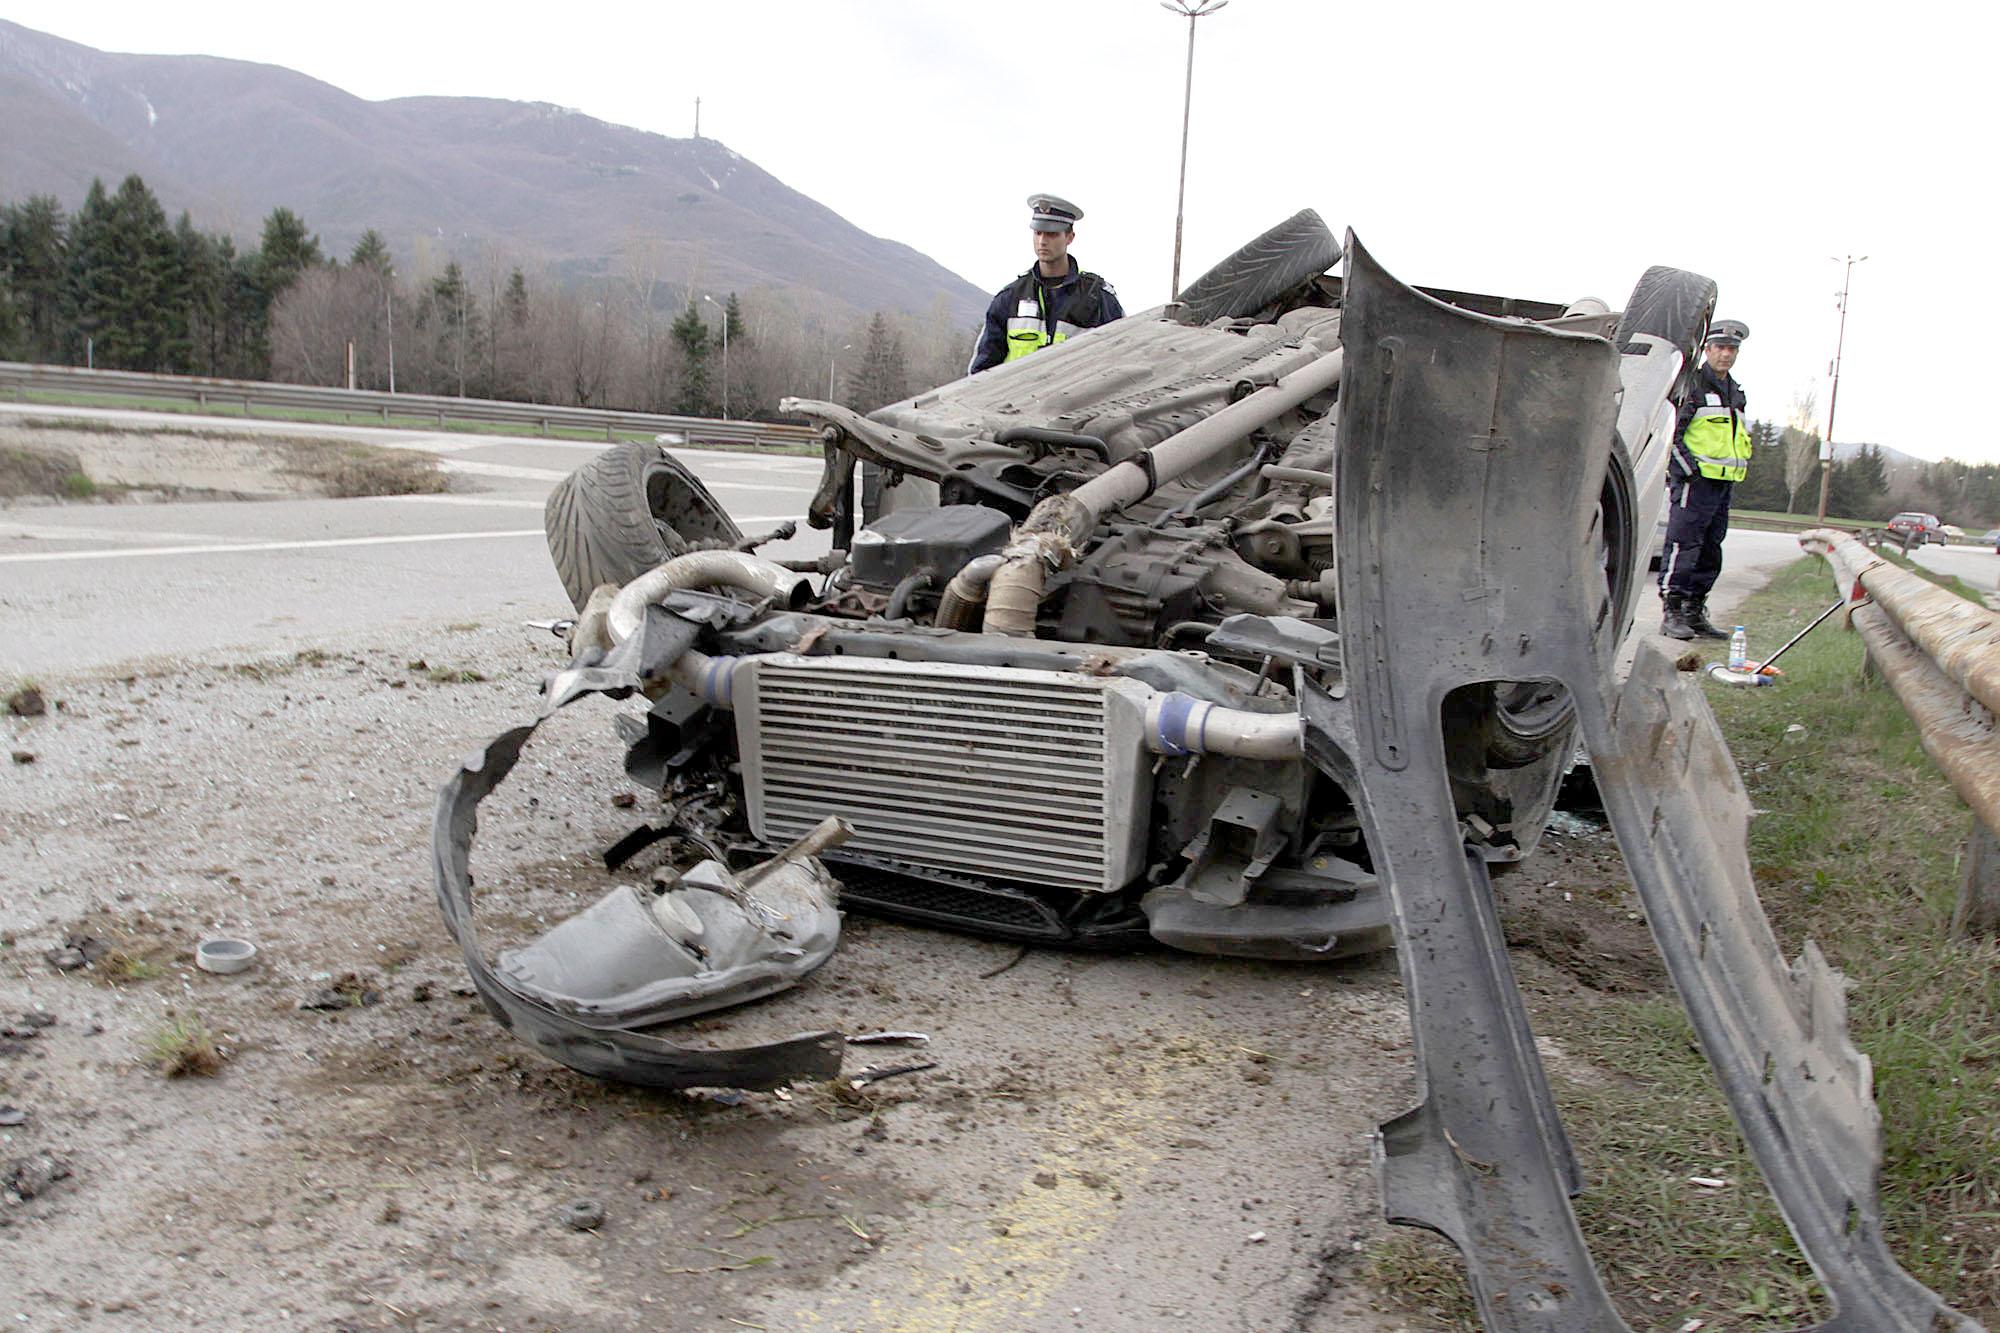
1719 440
1028 329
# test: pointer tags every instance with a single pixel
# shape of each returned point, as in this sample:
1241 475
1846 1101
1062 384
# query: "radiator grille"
999 772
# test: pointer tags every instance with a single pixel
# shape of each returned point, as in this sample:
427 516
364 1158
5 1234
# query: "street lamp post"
1192 9
1833 397
830 362
725 342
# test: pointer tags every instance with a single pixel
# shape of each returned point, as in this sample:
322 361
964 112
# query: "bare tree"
1800 443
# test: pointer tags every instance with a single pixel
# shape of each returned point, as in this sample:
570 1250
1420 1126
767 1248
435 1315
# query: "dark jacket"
1728 393
1069 300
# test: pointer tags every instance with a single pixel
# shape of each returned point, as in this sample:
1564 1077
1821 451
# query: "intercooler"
1031 777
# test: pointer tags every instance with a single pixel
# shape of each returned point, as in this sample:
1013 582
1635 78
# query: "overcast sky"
1540 150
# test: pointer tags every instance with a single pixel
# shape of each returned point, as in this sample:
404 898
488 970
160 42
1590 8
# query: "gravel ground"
1117 1143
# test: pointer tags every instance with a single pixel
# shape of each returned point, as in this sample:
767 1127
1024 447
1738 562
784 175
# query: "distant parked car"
1917 528
1992 539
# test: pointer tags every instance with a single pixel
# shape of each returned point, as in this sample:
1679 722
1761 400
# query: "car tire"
624 512
1673 305
1286 257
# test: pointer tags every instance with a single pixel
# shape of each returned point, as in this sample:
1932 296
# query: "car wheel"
1284 258
625 511
1673 305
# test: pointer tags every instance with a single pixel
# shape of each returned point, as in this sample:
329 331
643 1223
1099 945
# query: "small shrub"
185 1048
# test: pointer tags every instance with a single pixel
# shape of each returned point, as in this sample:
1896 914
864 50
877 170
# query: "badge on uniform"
1028 310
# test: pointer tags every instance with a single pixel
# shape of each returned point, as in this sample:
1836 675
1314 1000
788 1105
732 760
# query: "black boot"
1695 611
1673 620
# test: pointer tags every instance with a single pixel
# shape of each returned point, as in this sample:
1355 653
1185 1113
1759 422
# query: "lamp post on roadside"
1192 9
725 346
830 362
1833 398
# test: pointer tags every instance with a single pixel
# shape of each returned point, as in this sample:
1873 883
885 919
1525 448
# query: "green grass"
1774 519
235 408
185 1048
1856 846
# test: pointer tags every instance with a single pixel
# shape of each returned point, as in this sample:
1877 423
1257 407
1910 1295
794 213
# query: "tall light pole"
830 361
1192 10
725 351
1833 398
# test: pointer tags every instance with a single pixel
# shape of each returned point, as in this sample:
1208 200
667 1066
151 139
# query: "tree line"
1784 477
116 286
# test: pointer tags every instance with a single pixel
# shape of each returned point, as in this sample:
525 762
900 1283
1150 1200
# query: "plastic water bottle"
1739 650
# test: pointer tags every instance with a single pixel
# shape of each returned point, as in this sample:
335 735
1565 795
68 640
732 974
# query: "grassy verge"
221 408
1855 845
28 471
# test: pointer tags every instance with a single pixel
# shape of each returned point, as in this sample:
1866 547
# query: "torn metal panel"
1504 431
583 994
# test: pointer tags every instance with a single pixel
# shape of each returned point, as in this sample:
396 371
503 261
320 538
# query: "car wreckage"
1265 624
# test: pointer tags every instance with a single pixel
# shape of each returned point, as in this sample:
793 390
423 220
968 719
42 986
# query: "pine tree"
690 335
286 250
455 316
371 252
732 319
34 254
883 375
515 303
125 280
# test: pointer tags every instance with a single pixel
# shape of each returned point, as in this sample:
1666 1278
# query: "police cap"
1728 332
1050 212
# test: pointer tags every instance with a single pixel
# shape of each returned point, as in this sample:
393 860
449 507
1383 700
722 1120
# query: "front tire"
630 508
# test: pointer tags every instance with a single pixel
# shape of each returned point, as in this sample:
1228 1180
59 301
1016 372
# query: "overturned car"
1052 679
1263 624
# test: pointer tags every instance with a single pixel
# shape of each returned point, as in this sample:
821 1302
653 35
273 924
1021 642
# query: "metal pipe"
1054 439
703 569
1962 639
1178 724
1209 494
1059 525
899 599
1279 472
958 607
1131 481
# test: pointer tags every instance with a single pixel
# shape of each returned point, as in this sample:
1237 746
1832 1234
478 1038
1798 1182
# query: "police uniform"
1032 312
1711 454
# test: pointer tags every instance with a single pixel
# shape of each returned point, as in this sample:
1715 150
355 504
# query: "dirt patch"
41 470
1571 904
347 470
88 459
407 1163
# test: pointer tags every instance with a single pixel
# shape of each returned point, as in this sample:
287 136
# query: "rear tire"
624 512
1674 305
1284 258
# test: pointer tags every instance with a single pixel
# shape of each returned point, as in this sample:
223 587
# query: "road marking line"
226 548
58 532
488 501
450 464
239 548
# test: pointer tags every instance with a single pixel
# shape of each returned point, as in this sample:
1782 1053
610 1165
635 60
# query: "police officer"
1711 454
1052 300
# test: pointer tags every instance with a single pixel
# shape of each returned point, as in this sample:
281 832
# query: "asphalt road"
1977 566
91 587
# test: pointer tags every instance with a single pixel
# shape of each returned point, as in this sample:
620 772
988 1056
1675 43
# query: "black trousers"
1697 521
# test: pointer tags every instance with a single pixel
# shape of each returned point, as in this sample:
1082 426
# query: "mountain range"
228 140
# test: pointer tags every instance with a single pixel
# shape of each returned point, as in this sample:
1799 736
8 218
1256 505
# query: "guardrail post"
1977 913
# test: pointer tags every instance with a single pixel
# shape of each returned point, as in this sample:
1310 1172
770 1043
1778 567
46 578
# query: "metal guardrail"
251 395
1941 656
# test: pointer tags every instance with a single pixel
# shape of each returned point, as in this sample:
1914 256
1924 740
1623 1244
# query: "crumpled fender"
589 1037
1498 431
